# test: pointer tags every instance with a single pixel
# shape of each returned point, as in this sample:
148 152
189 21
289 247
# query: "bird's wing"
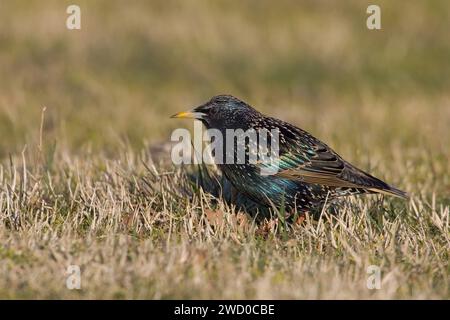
313 162
305 158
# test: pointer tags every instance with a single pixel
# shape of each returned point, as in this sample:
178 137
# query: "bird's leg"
296 217
268 226
301 217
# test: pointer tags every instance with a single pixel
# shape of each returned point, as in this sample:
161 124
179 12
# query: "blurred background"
374 95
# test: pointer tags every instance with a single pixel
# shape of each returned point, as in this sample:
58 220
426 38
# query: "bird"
309 172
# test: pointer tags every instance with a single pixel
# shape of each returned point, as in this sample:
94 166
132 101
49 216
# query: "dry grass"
138 234
87 189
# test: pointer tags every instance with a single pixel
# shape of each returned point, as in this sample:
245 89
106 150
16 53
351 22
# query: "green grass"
95 186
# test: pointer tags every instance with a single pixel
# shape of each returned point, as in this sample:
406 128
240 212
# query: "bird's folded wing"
317 165
311 161
305 158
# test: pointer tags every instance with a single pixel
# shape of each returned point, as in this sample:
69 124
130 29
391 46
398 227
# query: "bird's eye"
212 111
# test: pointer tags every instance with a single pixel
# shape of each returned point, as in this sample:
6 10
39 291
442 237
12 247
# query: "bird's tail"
379 186
392 191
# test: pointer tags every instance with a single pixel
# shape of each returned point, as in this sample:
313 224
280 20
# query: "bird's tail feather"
392 191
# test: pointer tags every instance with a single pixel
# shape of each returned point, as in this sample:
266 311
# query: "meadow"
85 172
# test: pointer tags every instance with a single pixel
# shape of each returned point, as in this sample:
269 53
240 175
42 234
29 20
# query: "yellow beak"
188 115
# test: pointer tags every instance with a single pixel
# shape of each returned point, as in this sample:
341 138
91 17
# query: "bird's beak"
192 114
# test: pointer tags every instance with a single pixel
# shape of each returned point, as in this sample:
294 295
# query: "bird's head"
221 112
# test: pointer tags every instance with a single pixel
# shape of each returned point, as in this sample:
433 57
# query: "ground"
86 179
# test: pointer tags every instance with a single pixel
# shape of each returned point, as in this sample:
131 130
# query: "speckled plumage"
309 170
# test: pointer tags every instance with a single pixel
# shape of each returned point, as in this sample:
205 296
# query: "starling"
309 172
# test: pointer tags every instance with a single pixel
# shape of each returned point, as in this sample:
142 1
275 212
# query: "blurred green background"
313 63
